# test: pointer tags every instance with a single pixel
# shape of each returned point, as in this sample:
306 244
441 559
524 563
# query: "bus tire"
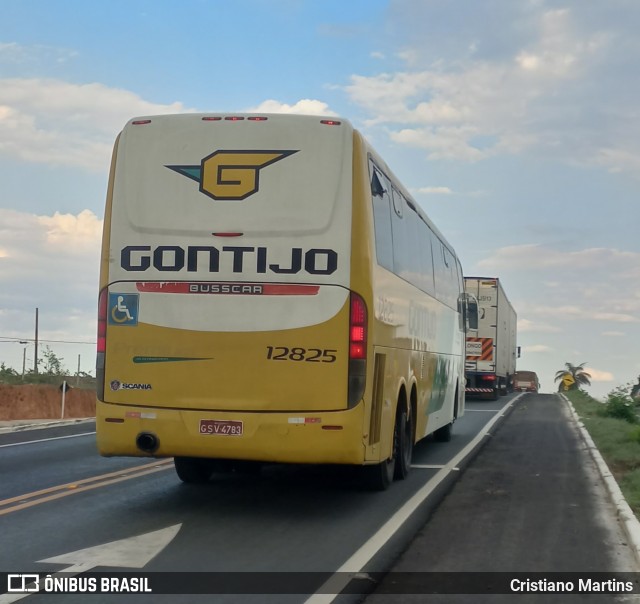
443 435
379 476
403 443
192 470
252 468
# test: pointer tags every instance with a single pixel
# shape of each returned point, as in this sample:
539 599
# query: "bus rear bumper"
287 437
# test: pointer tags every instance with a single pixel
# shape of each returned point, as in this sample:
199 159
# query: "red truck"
526 381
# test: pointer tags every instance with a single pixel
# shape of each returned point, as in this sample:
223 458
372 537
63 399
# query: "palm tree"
572 372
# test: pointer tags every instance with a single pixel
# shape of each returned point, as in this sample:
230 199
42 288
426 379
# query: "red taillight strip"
228 288
357 328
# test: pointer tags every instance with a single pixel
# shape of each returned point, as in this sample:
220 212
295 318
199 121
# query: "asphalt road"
58 498
529 503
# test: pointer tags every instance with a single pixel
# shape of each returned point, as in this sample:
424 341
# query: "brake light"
330 122
211 118
140 122
357 328
234 118
257 118
357 350
102 320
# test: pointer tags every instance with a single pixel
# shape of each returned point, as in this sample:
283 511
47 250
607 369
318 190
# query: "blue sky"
514 124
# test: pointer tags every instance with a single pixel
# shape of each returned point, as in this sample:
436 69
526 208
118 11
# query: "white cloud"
71 232
599 376
434 191
528 326
537 98
303 106
592 289
51 262
47 257
574 312
535 256
60 123
18 54
537 348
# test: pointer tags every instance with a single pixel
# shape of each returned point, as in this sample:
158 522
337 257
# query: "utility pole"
35 357
24 356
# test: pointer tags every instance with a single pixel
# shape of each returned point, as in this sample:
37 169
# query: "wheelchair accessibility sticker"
123 309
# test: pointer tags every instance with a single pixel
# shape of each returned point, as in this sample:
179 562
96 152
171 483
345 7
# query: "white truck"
491 350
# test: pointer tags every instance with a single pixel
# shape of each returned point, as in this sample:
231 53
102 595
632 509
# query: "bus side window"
377 190
426 255
445 274
401 246
462 306
380 190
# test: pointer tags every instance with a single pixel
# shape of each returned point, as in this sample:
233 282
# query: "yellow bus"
270 293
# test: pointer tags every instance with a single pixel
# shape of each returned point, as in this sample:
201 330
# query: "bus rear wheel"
192 470
403 443
379 476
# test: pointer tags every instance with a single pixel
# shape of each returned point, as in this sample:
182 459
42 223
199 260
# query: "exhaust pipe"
147 442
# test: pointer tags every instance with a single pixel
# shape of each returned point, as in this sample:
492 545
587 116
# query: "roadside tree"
572 377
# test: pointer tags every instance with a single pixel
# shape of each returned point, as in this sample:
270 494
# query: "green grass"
617 440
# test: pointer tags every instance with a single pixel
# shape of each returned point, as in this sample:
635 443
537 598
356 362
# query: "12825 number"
309 355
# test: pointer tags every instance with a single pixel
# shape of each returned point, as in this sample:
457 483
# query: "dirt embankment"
44 402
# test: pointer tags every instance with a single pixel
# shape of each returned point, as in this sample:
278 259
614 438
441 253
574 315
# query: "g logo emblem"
231 175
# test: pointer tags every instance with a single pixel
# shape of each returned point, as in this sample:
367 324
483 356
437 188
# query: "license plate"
221 427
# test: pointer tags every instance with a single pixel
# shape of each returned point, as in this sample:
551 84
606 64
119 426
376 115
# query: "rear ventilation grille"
378 393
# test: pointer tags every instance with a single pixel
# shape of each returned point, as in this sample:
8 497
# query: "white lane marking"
354 565
132 552
484 410
427 466
626 517
44 440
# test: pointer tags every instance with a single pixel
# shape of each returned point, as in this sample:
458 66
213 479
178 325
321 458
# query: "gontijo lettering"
174 258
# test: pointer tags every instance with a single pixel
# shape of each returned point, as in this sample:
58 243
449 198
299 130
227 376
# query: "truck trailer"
491 350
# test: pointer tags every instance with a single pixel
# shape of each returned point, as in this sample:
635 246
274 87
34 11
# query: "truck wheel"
192 470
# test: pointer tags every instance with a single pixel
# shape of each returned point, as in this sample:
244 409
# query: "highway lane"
42 458
288 519
530 502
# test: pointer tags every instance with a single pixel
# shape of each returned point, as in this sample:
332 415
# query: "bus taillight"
357 349
357 328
